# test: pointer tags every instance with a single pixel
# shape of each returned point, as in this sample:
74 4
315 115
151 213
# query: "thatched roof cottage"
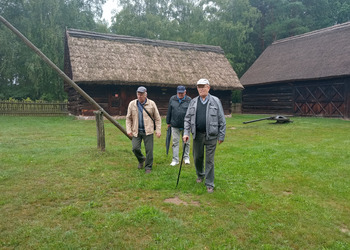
306 75
110 68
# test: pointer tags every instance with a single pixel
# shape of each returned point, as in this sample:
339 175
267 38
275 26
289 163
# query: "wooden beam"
63 75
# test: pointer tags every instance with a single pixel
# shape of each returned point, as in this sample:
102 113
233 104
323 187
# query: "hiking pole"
182 158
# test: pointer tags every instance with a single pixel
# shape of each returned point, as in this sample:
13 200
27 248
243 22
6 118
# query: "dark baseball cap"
181 89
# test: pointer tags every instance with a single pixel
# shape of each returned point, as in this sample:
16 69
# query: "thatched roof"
319 54
115 59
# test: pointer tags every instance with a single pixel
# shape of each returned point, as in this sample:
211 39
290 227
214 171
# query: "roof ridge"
146 41
315 32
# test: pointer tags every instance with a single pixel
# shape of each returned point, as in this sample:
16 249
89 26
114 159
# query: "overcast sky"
108 7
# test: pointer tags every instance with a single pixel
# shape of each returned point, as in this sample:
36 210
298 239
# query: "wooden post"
100 130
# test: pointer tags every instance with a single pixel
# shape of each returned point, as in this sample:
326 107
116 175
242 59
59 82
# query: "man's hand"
169 125
130 134
220 142
185 138
158 134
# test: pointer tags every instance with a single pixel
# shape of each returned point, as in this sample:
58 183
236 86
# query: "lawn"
278 186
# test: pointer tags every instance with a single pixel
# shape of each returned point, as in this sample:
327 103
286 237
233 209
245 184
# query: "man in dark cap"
142 120
177 108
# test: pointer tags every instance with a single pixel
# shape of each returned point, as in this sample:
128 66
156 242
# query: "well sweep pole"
63 75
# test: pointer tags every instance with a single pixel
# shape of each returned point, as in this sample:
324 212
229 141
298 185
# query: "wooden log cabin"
111 67
305 75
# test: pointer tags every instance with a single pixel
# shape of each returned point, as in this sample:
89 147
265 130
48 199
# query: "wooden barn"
305 75
111 67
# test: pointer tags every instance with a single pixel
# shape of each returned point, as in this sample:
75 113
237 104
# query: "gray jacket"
216 123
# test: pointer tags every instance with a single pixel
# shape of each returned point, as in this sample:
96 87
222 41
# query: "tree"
279 19
325 13
284 18
43 22
230 25
144 18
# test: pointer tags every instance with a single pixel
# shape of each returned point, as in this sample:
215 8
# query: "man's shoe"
210 189
199 180
187 161
174 163
148 171
140 166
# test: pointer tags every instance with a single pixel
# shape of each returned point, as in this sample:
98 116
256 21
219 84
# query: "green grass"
277 187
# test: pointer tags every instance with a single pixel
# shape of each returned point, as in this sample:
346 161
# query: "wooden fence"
17 108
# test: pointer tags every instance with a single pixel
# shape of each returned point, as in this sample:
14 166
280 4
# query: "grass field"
277 187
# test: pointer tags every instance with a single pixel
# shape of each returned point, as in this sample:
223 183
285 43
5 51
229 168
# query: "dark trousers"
198 155
136 148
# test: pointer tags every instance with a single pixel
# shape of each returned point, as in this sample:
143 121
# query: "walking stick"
182 158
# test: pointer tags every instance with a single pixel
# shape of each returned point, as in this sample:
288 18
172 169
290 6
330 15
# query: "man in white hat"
142 120
205 119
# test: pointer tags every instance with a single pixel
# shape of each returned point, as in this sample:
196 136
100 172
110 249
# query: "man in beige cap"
205 119
142 120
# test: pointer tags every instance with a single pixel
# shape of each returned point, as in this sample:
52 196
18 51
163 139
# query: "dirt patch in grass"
345 230
287 192
177 201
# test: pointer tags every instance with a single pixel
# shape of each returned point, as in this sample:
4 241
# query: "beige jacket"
132 118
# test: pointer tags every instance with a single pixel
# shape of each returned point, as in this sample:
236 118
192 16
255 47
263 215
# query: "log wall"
268 99
116 98
326 98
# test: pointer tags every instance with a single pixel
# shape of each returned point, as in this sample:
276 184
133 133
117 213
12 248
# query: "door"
325 99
